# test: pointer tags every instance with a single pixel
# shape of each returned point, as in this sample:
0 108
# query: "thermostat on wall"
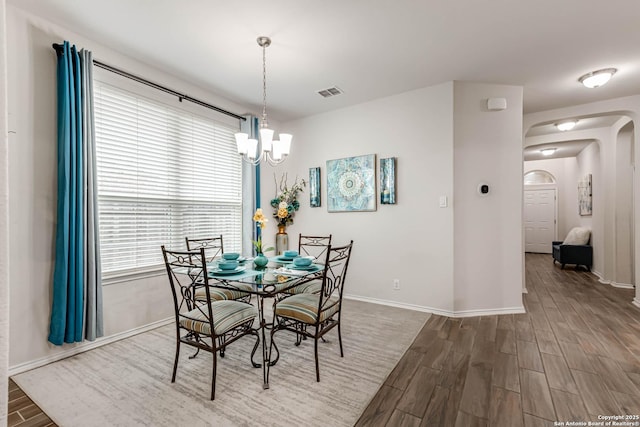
483 189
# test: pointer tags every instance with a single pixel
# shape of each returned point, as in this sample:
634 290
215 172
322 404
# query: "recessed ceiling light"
597 78
566 125
548 151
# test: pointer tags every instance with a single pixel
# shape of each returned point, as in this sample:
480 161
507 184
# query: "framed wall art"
388 181
314 187
351 184
585 196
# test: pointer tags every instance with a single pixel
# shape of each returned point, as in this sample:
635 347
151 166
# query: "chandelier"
267 149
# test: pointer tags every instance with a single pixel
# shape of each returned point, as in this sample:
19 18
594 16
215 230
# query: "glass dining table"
271 281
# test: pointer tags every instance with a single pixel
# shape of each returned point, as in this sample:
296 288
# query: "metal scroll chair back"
184 269
213 246
315 246
333 279
206 324
312 315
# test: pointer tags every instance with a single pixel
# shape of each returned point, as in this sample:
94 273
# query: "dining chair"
315 246
208 325
214 248
313 315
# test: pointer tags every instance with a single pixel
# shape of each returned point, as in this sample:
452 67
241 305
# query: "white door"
539 220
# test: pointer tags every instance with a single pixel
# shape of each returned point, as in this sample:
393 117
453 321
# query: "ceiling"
563 149
368 48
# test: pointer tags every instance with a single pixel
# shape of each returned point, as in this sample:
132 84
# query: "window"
538 177
163 174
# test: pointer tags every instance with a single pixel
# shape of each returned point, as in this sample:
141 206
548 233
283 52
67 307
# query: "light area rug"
128 383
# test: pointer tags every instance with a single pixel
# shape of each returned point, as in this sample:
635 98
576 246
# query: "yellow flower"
283 213
259 218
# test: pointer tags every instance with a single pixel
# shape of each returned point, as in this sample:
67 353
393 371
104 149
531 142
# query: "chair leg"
269 364
315 341
340 340
213 379
299 336
562 267
193 356
255 347
175 363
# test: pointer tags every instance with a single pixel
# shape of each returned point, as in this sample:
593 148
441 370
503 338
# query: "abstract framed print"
314 187
388 181
351 184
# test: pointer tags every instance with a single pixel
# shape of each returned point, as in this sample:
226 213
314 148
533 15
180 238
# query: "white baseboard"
525 291
636 302
604 281
399 305
432 310
621 285
85 346
494 312
601 278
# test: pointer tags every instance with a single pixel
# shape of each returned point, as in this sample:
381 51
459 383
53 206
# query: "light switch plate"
443 201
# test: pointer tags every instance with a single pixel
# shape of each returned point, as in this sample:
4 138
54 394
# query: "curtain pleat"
72 278
250 190
92 272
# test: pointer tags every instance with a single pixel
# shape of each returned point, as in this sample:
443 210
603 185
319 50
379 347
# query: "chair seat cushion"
304 308
219 294
226 316
312 287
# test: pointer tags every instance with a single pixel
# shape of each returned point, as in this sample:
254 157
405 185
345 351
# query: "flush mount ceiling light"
566 125
597 78
548 151
270 150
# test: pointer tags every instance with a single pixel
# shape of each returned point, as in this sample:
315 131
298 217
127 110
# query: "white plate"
220 272
311 267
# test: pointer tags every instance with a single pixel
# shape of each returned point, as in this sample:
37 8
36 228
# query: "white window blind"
163 174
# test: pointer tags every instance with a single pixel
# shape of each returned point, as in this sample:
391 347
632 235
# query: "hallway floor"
574 356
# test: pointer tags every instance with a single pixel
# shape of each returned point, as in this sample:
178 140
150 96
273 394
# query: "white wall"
4 213
588 162
417 128
487 229
32 190
422 128
624 207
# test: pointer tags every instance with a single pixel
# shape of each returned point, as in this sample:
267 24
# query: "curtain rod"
165 89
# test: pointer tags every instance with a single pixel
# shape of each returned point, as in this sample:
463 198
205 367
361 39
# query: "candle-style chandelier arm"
266 149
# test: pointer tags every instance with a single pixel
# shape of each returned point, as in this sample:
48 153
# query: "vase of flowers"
260 260
285 205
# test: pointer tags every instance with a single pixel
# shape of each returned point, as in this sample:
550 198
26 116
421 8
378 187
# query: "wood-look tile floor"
23 412
573 356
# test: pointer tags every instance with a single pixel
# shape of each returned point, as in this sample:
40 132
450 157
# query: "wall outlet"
396 284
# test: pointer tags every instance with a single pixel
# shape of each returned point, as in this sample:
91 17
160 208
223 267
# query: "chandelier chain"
264 86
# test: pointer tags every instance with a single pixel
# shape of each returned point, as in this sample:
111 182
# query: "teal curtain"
77 293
